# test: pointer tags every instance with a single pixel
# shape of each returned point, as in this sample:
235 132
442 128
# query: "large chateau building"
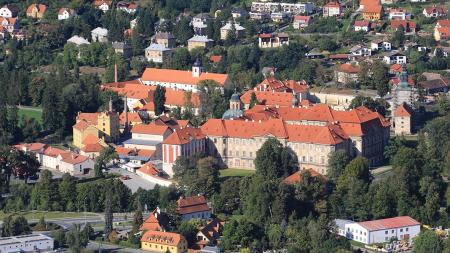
311 132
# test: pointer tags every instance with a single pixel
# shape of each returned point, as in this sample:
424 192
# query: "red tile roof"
297 176
213 229
395 24
90 118
149 169
132 117
338 56
273 84
396 68
130 89
100 2
444 32
151 128
389 223
73 158
40 8
180 76
54 152
269 98
372 8
332 4
349 68
90 148
70 11
215 58
184 136
194 204
443 23
403 111
435 9
361 23
302 18
152 222
158 237
134 152
31 147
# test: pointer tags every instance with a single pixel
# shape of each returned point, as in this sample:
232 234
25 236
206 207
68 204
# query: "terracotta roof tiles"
193 204
180 76
389 223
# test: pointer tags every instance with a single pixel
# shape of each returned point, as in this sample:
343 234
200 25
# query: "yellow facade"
109 126
162 247
372 15
79 135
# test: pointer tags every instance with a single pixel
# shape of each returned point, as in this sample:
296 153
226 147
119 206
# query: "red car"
125 177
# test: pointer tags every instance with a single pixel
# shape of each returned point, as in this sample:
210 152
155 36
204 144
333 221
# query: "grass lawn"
35 215
31 112
236 173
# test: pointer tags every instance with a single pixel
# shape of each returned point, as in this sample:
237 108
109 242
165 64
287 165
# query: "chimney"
126 113
115 72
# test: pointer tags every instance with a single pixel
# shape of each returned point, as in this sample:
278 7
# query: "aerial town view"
212 126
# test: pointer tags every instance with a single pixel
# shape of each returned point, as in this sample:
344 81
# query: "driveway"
135 182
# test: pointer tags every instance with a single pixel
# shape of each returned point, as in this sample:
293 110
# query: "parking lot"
135 182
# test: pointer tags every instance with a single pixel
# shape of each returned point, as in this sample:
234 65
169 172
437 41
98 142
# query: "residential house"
9 11
58 159
399 14
279 17
434 11
66 13
408 26
99 34
152 174
11 24
337 99
182 79
165 38
184 142
157 221
297 177
200 23
238 13
273 40
372 11
361 25
440 50
395 69
199 41
260 16
347 73
194 207
403 119
332 9
103 5
442 30
224 30
158 241
158 53
360 50
382 231
301 22
210 233
394 58
434 86
123 48
128 7
78 41
36 11
134 155
381 45
289 8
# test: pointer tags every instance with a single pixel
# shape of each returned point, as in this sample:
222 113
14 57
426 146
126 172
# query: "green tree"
14 225
253 100
427 241
159 99
138 219
188 229
336 163
108 213
107 155
76 240
212 102
274 161
398 38
380 78
183 31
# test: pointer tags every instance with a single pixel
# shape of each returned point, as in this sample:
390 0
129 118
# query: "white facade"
395 59
291 8
358 233
6 12
66 14
360 51
26 243
99 34
103 7
74 169
382 45
362 28
400 15
334 11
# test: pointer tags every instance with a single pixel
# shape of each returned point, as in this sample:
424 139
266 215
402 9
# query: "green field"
31 112
236 173
35 215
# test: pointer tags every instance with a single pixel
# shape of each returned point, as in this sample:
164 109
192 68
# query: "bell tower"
197 68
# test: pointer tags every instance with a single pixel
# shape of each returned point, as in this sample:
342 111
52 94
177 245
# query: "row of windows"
393 231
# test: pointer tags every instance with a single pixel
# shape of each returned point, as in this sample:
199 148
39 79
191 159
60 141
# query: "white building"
58 159
78 41
290 8
224 30
399 14
394 58
200 23
379 231
99 34
103 5
66 13
157 53
26 243
182 79
360 51
381 45
9 11
148 137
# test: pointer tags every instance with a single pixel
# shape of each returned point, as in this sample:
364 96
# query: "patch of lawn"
236 173
31 112
35 215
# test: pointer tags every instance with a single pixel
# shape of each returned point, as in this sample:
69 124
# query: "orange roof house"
210 233
403 111
193 207
372 10
36 11
157 221
298 176
408 26
163 241
184 136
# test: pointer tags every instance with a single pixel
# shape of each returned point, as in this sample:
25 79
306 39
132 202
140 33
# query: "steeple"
110 104
126 113
197 68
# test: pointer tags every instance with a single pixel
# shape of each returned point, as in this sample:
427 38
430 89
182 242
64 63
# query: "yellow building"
372 12
103 125
157 241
